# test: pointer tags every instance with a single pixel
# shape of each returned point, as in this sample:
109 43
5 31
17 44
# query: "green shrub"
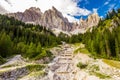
81 65
94 68
100 75
112 63
35 67
2 60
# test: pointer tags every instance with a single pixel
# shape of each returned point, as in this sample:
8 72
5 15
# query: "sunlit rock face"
84 25
51 18
31 15
91 21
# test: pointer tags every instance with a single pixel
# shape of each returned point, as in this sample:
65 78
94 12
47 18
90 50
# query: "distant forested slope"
104 39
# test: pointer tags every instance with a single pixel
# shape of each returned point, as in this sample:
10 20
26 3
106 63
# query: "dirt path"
63 67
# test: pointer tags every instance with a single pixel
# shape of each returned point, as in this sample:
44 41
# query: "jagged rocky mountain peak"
35 9
53 8
53 19
92 20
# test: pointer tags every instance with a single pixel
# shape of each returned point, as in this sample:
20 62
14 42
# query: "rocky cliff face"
31 15
91 21
52 18
83 25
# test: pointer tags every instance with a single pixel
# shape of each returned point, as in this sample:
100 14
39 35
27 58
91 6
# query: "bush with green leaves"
81 65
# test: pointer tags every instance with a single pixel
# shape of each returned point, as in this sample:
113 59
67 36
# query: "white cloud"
112 6
101 17
95 10
106 3
8 2
64 6
71 18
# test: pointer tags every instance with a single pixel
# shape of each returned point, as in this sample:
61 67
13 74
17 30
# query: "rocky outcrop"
91 21
54 19
51 18
19 68
84 25
14 74
31 15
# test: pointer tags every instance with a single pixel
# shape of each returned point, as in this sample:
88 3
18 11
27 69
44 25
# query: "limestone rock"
51 18
91 21
31 15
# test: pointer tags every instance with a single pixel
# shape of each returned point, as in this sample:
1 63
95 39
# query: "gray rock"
14 74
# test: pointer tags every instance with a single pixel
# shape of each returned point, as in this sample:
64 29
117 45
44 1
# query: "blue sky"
102 6
72 9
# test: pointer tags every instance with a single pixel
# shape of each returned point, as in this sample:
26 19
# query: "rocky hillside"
83 25
66 65
31 15
54 19
91 21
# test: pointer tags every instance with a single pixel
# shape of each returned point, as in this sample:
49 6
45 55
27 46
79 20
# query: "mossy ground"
112 63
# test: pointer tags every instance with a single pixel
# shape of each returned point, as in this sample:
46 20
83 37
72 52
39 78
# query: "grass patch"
81 50
77 44
94 70
100 75
45 53
36 74
8 66
35 70
81 65
35 67
112 63
2 60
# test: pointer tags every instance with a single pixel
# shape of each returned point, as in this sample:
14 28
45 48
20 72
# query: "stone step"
63 72
66 54
65 58
65 61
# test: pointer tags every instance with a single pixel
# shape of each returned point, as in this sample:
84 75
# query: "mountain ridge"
53 18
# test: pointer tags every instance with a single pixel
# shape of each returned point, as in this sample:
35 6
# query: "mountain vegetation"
28 40
104 40
31 41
